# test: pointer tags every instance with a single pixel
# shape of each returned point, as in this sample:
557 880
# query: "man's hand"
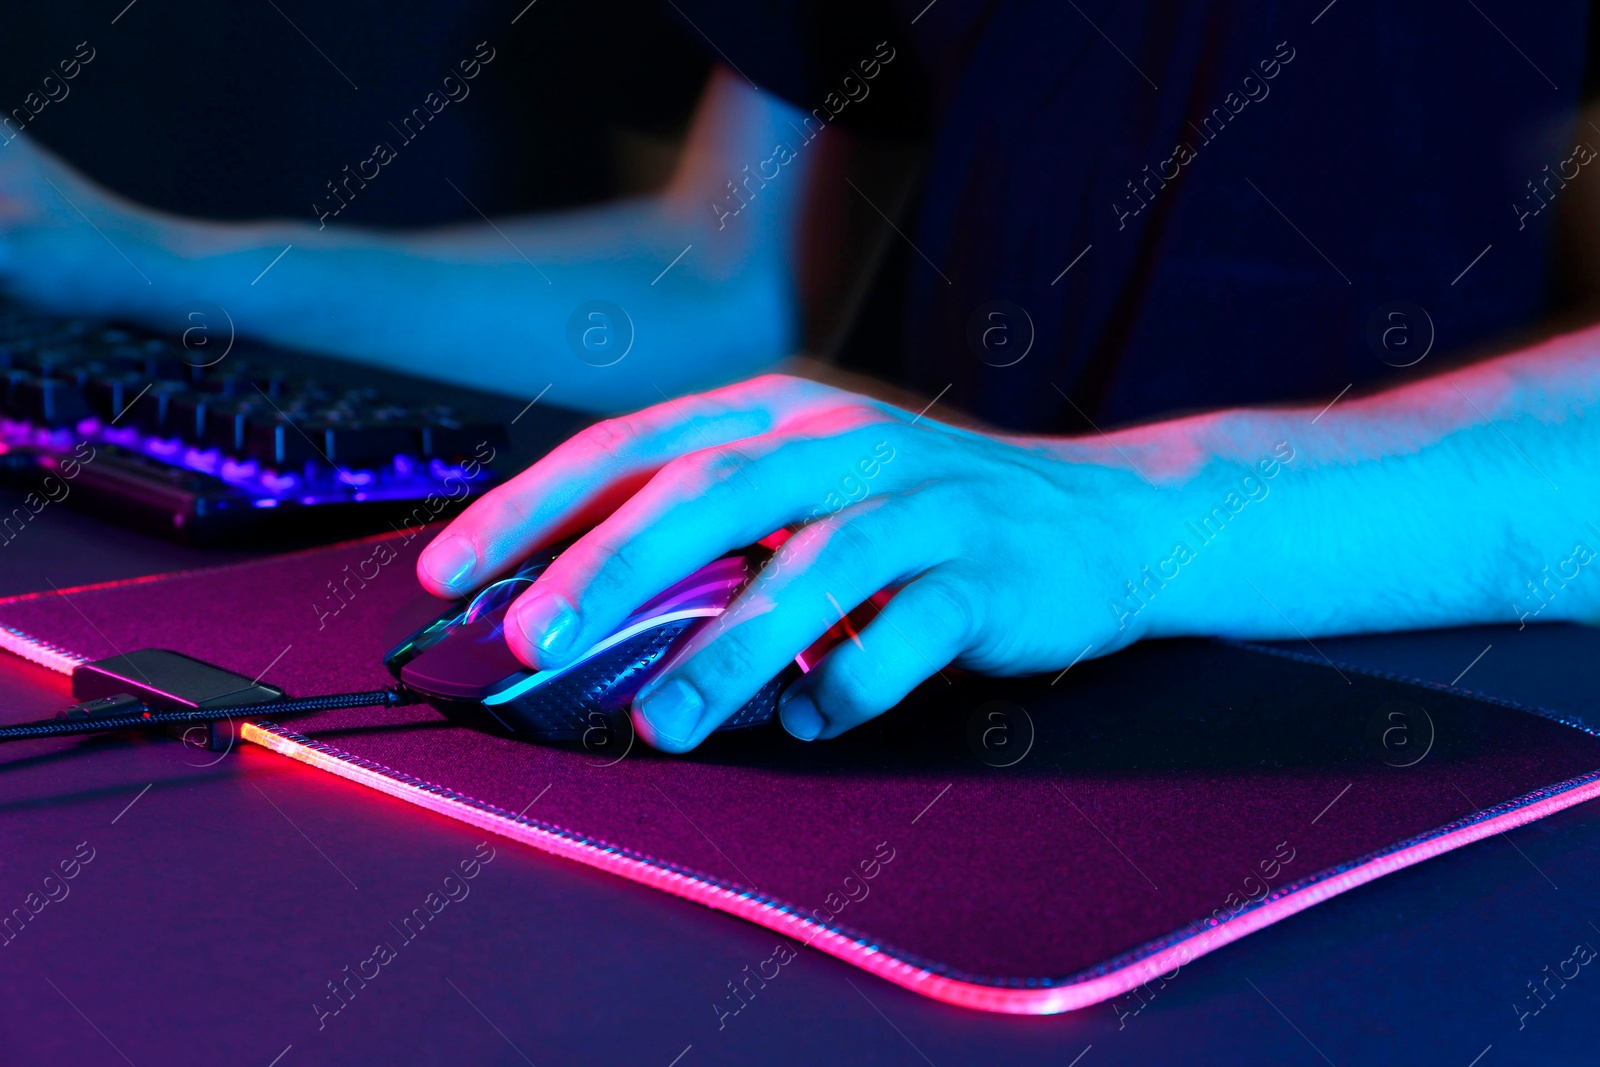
1002 553
1461 499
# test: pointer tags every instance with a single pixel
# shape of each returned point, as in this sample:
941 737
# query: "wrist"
1224 491
201 265
158 248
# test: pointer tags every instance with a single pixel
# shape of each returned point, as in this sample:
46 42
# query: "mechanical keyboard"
210 439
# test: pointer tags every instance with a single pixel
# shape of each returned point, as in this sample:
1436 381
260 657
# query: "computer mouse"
458 661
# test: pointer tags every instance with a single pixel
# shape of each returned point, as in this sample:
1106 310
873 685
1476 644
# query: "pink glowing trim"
73 590
1185 947
32 649
1038 1000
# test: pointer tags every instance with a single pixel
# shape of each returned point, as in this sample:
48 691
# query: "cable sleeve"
386 698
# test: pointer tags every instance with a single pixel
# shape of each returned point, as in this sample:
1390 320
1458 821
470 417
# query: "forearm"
490 306
700 271
1469 497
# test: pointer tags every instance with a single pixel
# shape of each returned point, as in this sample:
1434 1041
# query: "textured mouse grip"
761 708
564 708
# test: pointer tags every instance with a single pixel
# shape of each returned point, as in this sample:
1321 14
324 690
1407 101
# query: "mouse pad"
1025 845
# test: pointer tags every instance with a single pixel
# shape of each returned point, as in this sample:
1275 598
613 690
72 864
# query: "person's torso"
1134 209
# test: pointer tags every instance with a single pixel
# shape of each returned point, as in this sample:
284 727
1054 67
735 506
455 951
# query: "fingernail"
449 561
547 622
673 709
800 716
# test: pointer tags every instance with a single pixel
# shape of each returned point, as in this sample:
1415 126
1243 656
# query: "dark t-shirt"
1141 208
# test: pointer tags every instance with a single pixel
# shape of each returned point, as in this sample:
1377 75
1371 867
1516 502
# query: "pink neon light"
34 650
73 590
1035 1001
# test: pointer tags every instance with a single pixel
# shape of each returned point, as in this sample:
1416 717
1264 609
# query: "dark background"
191 938
227 111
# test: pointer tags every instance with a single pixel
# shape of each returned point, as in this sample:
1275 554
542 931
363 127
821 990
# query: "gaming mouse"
457 659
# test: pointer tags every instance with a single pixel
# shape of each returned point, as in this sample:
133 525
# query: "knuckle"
777 380
723 465
947 607
851 691
854 545
722 665
710 471
611 565
864 415
499 511
612 437
778 386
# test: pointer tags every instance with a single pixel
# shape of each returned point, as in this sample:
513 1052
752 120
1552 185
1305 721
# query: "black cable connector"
116 704
123 711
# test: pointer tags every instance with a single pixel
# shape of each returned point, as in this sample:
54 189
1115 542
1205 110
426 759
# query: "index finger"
588 476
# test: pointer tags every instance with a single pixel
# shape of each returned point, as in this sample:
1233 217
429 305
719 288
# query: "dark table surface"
220 901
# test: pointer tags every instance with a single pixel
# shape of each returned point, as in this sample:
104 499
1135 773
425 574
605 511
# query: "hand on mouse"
1003 552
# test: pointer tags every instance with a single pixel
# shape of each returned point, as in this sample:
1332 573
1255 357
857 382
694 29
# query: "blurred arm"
485 303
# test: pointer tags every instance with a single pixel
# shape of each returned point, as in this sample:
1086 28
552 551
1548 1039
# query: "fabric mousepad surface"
1009 845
